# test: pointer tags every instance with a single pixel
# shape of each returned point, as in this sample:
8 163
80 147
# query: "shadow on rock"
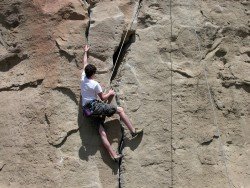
91 140
132 143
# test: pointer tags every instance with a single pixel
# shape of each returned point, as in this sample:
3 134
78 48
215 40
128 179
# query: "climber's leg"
106 142
127 122
125 119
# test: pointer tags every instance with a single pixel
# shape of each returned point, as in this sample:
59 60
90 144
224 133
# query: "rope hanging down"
125 36
120 147
215 119
171 99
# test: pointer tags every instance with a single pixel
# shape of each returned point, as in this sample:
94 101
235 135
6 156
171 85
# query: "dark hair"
90 70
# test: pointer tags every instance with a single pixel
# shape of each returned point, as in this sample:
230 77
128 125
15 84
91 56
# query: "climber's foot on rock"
118 158
136 132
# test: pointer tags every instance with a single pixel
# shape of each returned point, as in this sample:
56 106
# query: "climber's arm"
106 96
85 56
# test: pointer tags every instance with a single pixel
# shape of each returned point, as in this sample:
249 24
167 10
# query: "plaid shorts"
101 108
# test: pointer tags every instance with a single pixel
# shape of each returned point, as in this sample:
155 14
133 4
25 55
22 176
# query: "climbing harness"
87 109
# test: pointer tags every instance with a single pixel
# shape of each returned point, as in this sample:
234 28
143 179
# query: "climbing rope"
139 4
215 119
121 144
171 98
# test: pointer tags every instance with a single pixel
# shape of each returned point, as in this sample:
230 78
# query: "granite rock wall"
46 142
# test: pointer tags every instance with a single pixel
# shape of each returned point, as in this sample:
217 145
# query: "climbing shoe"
137 131
118 158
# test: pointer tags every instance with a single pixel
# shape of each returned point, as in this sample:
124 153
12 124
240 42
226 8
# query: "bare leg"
125 119
106 142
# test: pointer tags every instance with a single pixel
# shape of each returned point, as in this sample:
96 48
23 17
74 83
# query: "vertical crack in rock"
90 6
88 27
121 52
127 39
120 149
118 58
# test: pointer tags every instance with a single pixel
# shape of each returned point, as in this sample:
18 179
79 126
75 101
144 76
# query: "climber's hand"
111 92
86 48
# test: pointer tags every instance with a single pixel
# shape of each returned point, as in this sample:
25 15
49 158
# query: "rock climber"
90 91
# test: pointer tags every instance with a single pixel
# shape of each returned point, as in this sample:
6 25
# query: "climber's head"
90 70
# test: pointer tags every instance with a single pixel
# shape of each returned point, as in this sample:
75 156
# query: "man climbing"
90 91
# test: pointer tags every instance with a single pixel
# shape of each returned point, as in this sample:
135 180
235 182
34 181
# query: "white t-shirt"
89 89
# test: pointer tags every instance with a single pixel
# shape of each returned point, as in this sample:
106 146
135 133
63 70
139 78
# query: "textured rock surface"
45 142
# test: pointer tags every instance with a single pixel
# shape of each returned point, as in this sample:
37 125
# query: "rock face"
45 141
